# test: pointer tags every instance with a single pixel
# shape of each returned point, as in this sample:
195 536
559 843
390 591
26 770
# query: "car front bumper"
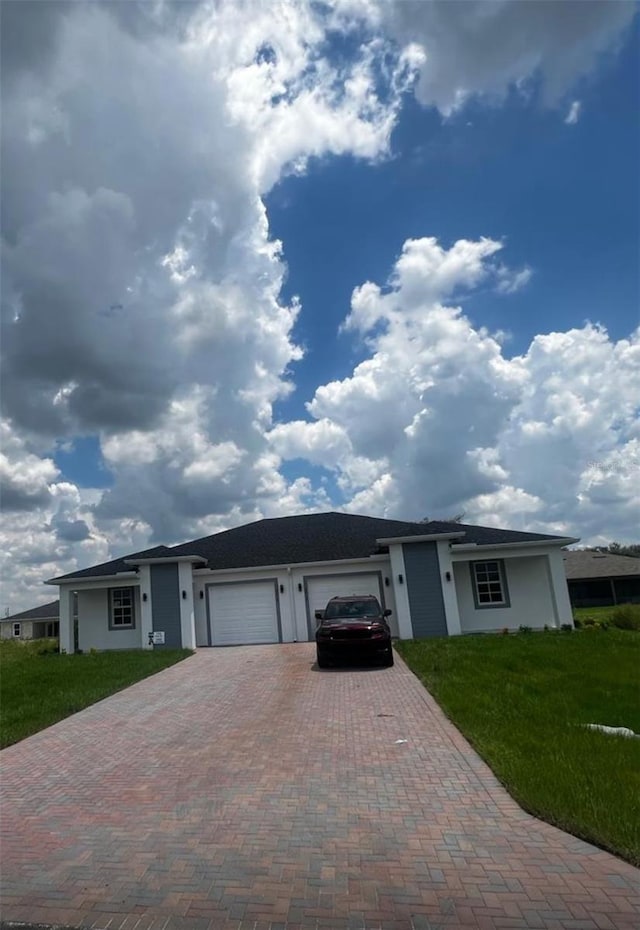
353 650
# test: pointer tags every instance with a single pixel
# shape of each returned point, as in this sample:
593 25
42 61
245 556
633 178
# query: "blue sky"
564 198
425 148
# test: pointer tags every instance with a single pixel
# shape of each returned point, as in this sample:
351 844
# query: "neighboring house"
599 579
37 623
263 582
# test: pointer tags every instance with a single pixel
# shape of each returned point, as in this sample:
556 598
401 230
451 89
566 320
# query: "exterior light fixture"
144 596
201 595
386 582
184 595
299 586
447 575
281 589
400 579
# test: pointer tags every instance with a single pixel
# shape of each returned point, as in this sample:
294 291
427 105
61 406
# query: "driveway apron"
243 788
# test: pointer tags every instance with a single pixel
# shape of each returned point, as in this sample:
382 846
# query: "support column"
146 606
400 591
449 596
67 638
187 618
559 588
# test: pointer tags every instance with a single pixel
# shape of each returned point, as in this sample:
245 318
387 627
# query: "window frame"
113 626
16 625
502 581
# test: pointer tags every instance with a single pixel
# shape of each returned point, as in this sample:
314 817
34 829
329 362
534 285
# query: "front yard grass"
598 614
522 700
38 686
622 616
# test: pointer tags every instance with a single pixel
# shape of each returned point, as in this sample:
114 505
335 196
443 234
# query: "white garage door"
243 613
320 590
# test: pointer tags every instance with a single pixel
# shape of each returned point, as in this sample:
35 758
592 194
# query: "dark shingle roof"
320 537
490 535
49 611
117 565
316 537
580 563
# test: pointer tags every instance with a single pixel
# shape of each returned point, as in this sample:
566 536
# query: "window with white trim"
17 629
489 584
121 609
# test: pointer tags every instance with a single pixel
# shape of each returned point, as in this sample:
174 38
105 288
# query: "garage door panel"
243 614
320 591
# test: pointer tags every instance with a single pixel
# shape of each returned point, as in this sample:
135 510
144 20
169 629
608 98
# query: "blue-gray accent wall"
424 589
165 604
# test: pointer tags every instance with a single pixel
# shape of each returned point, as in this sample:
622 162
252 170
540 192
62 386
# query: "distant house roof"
49 611
582 563
317 537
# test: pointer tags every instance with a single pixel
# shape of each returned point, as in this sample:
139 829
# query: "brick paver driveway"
244 788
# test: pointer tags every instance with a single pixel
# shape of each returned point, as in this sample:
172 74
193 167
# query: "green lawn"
520 700
598 613
39 687
593 613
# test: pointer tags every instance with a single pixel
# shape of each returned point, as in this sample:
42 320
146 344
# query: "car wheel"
388 660
322 660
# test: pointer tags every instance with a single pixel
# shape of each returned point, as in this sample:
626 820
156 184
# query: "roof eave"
525 544
286 566
80 578
422 537
165 559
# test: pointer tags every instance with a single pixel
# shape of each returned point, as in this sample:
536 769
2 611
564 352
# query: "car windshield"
352 610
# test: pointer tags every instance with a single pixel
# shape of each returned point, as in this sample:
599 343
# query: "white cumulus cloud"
142 288
447 423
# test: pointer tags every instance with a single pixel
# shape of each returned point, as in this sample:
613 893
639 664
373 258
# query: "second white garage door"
244 613
322 588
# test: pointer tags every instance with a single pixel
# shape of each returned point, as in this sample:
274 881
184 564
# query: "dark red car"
353 629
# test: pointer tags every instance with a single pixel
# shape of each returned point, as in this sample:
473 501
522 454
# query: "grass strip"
522 700
38 686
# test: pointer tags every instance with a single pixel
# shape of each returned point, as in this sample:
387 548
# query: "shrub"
577 623
566 628
626 617
524 629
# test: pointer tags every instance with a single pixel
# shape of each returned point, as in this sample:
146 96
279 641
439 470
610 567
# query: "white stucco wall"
293 607
93 623
449 596
26 629
558 578
187 606
146 609
200 611
401 626
529 593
